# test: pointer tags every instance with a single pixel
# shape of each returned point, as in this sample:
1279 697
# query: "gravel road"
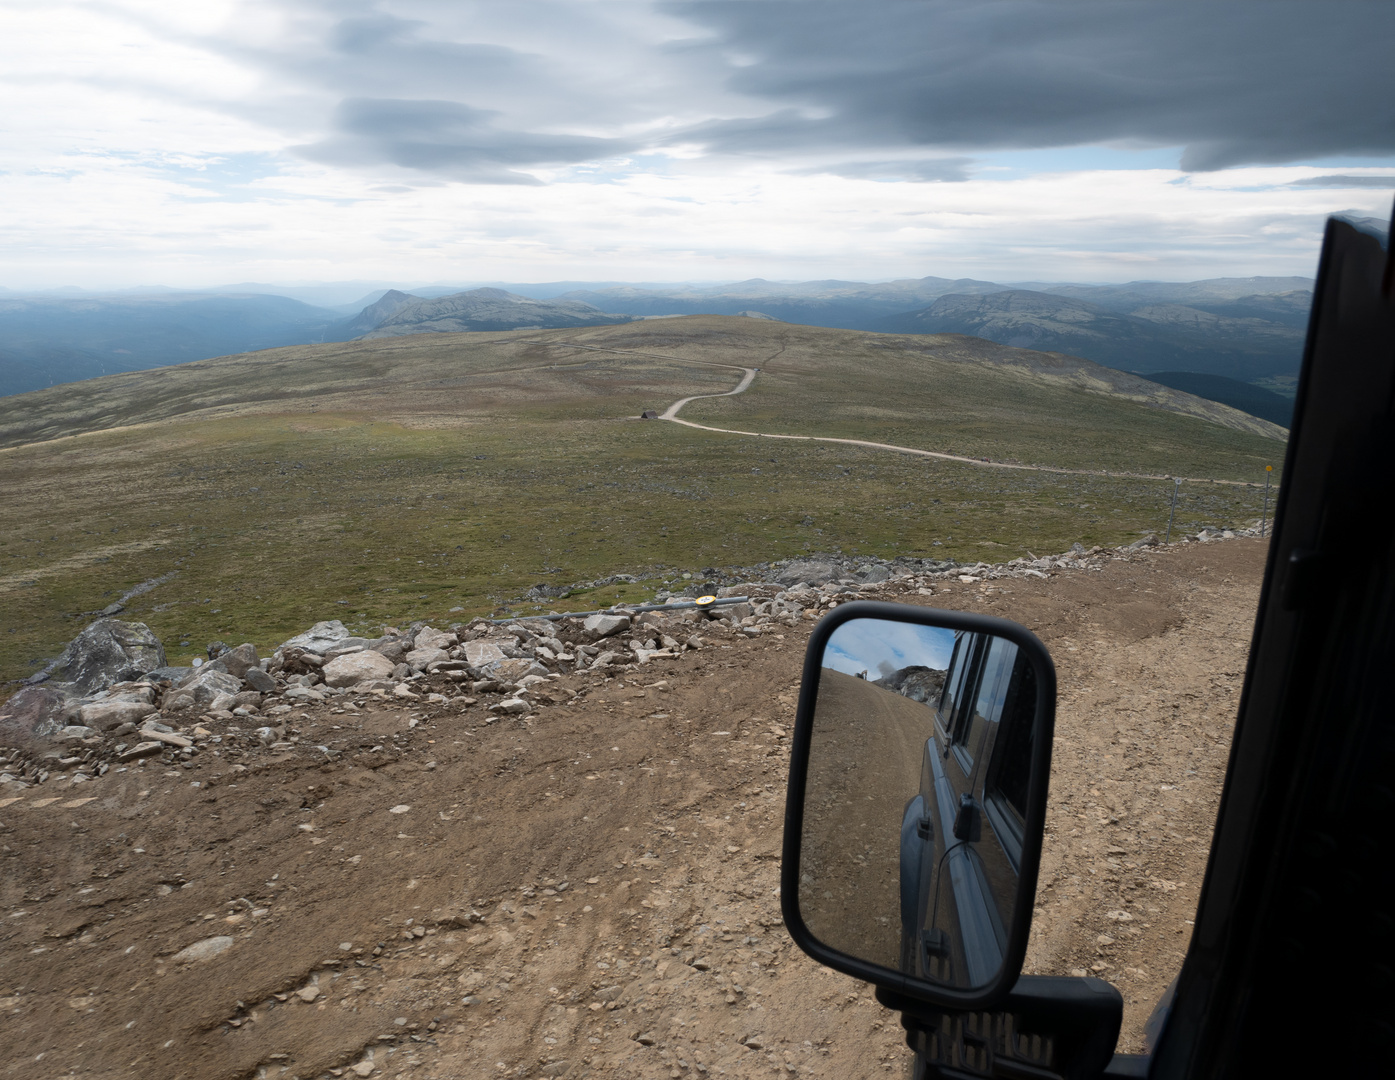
590 891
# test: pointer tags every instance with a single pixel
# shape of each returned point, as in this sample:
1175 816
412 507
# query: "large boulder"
320 638
418 658
354 668
479 653
259 681
393 649
238 660
428 638
36 710
208 683
814 571
109 651
349 644
174 675
105 715
602 626
513 671
143 691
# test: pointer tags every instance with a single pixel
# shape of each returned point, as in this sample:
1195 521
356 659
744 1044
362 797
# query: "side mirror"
917 797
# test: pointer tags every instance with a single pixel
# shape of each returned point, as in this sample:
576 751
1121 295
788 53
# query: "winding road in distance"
749 375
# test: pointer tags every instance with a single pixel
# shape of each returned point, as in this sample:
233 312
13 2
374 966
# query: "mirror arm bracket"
966 825
1077 1019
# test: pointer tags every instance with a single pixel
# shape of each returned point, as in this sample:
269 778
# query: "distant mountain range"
48 340
1244 338
845 305
398 313
1236 329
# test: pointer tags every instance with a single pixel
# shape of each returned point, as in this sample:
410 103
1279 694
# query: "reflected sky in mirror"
880 648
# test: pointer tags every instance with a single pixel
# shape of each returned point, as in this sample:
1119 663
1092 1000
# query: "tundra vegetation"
416 477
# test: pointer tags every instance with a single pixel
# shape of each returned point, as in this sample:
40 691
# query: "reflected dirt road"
864 766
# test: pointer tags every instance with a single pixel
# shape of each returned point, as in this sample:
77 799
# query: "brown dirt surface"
591 891
865 755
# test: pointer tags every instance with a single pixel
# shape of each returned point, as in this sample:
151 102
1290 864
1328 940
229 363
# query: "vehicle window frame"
960 721
995 675
954 680
1004 816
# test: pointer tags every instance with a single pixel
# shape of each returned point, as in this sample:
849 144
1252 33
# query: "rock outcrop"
350 669
919 683
109 651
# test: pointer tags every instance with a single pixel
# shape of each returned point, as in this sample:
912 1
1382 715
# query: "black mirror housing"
964 914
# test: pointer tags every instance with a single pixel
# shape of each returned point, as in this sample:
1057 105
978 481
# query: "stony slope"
457 471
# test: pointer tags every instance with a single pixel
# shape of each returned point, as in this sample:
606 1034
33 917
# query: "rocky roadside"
115 702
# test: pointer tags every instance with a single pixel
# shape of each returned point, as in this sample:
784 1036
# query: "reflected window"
992 690
1009 773
975 648
954 681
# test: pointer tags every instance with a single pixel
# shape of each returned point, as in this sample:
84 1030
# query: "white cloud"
304 140
881 646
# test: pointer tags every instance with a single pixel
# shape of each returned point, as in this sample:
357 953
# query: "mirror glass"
915 801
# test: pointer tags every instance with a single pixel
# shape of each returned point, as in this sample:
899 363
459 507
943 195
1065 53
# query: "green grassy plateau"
405 478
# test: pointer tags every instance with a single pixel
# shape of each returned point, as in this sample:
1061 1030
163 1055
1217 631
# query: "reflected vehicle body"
962 833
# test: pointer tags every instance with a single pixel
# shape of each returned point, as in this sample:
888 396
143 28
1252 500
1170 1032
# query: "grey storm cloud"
1233 83
447 138
879 90
1339 180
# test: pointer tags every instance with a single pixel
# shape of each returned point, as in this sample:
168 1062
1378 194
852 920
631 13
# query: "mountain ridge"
1243 328
354 373
487 309
1152 337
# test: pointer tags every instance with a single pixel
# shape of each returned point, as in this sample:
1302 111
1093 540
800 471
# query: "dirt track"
864 765
400 908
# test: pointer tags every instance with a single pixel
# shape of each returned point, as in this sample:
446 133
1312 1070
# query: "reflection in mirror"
915 798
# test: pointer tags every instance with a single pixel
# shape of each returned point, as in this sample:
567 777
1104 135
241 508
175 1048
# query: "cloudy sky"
880 648
288 141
